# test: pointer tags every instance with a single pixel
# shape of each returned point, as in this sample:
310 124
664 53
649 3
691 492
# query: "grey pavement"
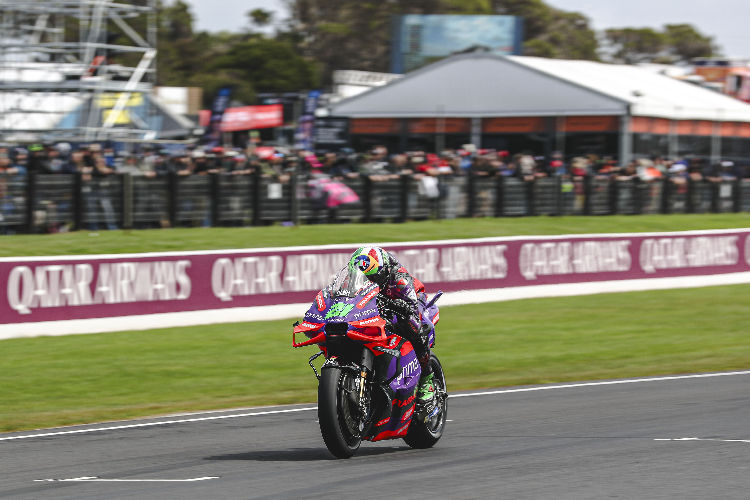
619 440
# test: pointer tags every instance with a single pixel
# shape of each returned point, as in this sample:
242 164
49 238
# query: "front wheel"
424 434
337 412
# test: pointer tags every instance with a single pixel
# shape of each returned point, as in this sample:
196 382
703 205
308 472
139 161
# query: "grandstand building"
519 103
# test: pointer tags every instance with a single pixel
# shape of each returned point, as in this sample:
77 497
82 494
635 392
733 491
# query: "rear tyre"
337 413
426 434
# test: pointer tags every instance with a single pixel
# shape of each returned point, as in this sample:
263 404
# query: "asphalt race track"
670 437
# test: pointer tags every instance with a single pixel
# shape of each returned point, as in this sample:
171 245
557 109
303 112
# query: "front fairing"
349 299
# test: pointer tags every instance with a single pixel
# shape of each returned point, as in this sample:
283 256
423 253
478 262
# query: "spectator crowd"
322 171
100 160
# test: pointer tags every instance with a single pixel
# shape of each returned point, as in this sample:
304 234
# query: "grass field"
84 378
159 240
51 381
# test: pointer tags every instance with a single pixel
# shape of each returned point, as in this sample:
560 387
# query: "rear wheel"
338 412
424 434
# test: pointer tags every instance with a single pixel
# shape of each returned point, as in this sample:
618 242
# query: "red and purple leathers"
398 293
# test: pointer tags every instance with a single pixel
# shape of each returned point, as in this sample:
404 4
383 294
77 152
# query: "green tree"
568 37
676 43
260 17
686 42
634 45
179 50
268 65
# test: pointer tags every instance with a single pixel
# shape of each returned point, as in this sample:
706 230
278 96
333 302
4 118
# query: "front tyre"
424 434
337 413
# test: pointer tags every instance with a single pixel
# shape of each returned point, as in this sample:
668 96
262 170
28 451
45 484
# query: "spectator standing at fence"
661 165
57 161
37 159
482 165
20 159
98 189
557 166
527 166
7 164
629 172
678 172
376 165
647 172
695 169
721 171
8 202
341 167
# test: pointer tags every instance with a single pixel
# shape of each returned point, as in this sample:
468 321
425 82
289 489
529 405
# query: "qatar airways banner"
81 287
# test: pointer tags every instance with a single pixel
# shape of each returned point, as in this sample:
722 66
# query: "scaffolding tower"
77 70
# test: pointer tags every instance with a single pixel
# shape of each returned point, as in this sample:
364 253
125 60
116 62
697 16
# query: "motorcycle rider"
398 293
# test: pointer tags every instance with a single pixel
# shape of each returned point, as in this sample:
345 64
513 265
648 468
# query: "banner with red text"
81 287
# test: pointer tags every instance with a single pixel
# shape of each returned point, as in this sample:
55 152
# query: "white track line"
94 479
310 408
153 424
706 439
606 382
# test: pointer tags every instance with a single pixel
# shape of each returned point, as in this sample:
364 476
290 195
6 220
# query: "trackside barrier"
79 294
44 202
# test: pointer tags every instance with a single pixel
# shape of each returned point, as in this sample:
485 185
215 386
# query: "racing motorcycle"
367 385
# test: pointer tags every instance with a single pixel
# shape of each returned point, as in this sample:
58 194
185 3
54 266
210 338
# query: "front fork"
366 361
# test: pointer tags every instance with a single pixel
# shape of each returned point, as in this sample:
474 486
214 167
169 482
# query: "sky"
727 21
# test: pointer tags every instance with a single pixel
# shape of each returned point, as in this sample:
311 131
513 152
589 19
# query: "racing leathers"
398 295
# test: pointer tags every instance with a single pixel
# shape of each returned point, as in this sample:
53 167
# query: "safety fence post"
471 192
255 189
587 187
689 205
499 196
77 204
530 196
715 186
614 193
404 197
293 200
666 191
367 199
30 201
737 195
215 199
126 184
173 198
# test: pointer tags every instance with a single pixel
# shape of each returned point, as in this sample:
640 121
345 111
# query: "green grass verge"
83 242
65 380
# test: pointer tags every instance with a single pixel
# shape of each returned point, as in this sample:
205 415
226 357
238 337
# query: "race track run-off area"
681 437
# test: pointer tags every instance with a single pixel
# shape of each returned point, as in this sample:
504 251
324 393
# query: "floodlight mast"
59 56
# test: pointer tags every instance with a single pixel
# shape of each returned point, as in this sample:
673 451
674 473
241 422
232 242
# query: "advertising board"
58 289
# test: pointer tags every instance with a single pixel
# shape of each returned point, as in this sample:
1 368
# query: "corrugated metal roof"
486 85
648 93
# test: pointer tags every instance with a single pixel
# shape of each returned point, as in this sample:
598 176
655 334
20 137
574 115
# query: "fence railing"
40 203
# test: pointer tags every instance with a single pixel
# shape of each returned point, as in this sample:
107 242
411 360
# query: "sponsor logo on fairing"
369 321
409 370
339 309
408 414
320 302
367 298
365 314
310 325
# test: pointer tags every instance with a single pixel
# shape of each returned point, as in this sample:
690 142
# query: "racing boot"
426 396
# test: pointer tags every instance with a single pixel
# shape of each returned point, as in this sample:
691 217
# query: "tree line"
319 36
